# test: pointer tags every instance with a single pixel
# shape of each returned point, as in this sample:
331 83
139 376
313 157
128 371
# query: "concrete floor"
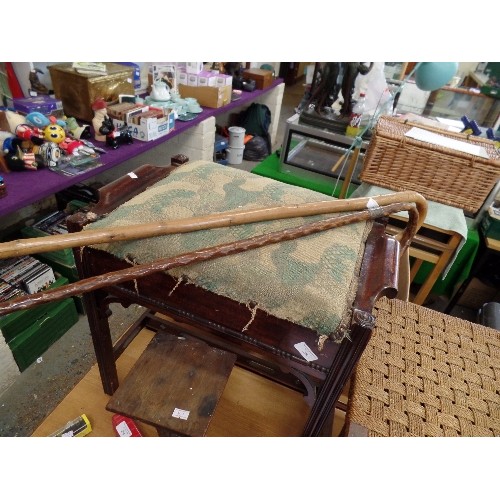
40 388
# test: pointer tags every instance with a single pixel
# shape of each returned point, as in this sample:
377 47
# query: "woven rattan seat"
425 373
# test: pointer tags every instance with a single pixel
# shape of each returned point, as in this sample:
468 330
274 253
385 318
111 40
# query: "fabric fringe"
254 312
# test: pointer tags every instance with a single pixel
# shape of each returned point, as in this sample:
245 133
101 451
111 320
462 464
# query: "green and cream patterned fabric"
310 281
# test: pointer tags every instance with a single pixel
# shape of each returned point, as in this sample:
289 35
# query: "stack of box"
146 123
210 88
61 261
28 333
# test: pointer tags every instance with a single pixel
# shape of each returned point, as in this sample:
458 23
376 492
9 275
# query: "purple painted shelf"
25 188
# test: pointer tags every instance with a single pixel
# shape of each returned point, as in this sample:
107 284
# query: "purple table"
25 188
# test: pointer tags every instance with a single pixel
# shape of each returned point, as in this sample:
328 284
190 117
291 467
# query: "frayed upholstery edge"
179 281
253 310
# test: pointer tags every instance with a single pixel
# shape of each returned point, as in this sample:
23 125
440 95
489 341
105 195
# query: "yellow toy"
54 133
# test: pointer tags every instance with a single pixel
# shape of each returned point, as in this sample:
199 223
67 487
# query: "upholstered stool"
425 373
174 386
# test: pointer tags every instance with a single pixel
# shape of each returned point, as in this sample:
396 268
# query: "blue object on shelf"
136 74
470 126
220 144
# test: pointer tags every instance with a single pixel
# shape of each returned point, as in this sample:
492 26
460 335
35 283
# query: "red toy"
70 145
27 133
125 426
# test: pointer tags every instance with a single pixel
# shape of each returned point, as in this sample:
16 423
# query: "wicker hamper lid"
445 175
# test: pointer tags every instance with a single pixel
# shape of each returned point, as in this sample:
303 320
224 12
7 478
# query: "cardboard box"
192 80
150 129
194 67
43 104
263 77
223 80
163 71
206 79
210 97
78 91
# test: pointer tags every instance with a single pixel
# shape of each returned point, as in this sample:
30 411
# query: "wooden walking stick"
142 270
28 246
350 171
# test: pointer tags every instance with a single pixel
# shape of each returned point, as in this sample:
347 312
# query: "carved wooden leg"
96 308
340 371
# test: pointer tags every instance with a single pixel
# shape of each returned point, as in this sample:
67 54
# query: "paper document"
453 125
439 140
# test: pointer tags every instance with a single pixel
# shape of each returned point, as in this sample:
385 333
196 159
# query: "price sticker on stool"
306 352
182 414
123 430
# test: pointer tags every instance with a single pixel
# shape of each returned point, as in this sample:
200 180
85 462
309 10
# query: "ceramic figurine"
37 86
78 131
115 137
100 115
159 91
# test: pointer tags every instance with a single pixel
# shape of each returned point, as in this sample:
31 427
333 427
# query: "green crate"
35 340
15 323
64 256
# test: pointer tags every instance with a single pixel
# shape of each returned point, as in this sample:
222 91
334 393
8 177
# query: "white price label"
123 430
305 351
182 414
132 175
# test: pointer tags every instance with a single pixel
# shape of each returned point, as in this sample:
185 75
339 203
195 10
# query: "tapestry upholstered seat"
307 280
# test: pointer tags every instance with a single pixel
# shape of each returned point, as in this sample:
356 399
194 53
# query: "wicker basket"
441 174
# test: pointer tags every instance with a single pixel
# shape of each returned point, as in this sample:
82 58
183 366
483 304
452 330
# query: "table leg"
97 314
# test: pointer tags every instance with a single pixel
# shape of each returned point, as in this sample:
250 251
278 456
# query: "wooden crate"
263 77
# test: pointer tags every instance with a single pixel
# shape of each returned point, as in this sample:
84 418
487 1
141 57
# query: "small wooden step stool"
174 386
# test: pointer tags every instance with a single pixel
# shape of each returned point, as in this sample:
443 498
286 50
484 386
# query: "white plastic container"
234 156
236 137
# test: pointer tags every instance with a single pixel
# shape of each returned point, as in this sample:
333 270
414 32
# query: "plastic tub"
236 137
234 156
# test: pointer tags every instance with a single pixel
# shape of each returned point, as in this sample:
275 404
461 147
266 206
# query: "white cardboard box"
150 129
207 79
194 67
223 80
192 80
